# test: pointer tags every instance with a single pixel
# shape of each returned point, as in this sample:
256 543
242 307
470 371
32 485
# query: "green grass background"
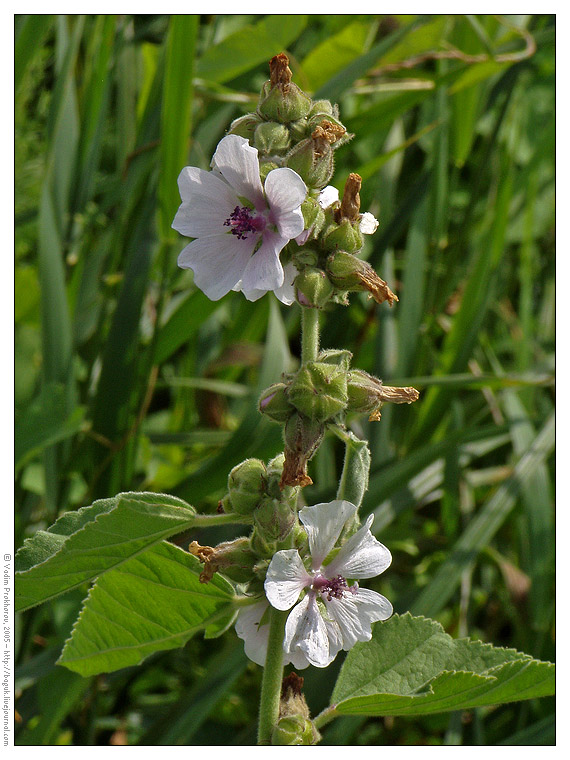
128 378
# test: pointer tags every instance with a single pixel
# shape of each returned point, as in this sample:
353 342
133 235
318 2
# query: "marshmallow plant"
299 584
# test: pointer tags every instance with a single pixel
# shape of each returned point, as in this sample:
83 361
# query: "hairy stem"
309 334
272 677
205 521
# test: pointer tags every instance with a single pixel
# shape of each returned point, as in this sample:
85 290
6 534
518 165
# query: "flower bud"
367 393
323 108
313 289
338 356
271 137
274 473
261 546
294 726
312 161
313 218
275 404
305 257
280 99
345 236
274 519
350 273
293 730
245 126
299 129
246 485
234 559
319 391
302 438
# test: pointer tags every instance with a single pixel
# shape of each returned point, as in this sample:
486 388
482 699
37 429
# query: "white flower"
240 225
332 615
329 195
252 625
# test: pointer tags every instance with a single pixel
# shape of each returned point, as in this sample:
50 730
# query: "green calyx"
245 126
283 102
275 404
313 289
319 391
294 730
345 236
271 137
313 161
246 486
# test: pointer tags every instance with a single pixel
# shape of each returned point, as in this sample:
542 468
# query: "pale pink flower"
240 226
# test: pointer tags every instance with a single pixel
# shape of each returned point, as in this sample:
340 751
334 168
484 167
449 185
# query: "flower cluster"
264 218
332 614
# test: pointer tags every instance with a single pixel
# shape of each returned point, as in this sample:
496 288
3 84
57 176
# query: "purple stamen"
241 221
334 588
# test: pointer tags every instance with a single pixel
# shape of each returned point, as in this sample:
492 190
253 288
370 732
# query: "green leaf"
152 602
250 46
412 667
82 545
335 52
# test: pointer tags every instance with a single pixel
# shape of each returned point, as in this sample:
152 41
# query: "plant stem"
272 677
205 521
309 334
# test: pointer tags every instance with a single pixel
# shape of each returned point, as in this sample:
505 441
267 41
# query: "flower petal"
286 292
368 223
218 262
194 182
237 160
328 196
305 630
375 606
264 270
254 636
200 217
286 578
353 626
361 557
324 523
290 224
285 190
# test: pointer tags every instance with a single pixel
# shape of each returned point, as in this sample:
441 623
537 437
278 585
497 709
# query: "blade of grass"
484 526
176 115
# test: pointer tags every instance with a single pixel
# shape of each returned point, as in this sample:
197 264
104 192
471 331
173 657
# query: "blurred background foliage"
128 378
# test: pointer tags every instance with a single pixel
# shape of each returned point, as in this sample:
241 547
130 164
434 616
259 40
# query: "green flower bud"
293 730
245 126
337 356
350 273
367 393
261 546
313 217
283 103
274 473
313 289
345 236
236 560
271 137
275 404
319 391
313 160
305 257
246 485
299 129
323 108
274 519
362 392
